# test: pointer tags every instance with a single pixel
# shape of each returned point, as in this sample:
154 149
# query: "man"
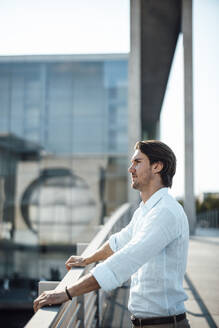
151 249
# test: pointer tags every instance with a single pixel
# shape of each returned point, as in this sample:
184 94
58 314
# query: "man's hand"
100 255
49 298
75 261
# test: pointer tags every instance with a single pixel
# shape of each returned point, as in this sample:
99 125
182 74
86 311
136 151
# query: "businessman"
151 250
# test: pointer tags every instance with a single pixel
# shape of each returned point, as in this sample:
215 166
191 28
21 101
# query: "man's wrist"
68 293
88 260
62 296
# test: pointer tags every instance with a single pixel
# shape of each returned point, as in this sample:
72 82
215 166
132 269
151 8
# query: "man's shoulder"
170 202
170 206
170 216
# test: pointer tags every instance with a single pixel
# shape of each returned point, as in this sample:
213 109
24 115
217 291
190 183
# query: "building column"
134 98
189 200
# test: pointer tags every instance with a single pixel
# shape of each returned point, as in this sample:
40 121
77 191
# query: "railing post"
81 314
97 315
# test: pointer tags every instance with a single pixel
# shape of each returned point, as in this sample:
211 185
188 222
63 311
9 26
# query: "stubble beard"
136 185
139 185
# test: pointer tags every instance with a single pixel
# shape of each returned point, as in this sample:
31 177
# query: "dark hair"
157 151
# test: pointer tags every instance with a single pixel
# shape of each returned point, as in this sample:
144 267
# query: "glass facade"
63 160
66 107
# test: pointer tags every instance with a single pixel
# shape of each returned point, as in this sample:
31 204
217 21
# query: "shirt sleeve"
151 239
121 238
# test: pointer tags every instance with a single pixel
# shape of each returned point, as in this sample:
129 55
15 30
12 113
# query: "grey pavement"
202 279
201 284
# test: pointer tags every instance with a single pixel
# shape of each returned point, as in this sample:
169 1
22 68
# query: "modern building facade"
84 98
63 144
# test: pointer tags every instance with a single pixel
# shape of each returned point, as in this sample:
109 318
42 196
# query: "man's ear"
157 167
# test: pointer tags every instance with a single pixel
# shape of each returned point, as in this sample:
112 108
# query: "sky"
206 102
102 26
64 26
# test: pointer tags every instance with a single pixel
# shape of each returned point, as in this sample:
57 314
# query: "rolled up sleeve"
105 277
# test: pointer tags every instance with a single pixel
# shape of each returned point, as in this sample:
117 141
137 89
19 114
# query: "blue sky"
102 26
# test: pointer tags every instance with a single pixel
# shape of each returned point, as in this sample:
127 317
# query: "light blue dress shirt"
152 250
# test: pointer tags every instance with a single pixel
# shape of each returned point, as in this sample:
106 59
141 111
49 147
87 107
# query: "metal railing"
208 219
85 311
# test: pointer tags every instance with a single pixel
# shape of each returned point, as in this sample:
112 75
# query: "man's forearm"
101 254
84 285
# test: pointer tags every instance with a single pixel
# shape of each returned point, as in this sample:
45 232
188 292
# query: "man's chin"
134 185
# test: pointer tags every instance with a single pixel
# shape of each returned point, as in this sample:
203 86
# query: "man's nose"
131 169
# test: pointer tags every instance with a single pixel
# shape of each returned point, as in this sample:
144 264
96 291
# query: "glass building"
66 104
63 155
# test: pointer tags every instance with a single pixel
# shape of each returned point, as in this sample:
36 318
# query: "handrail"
78 312
208 219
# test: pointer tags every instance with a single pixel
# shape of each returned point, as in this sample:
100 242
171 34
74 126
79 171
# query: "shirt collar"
153 199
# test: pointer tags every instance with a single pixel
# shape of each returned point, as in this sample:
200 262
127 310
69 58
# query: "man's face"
141 171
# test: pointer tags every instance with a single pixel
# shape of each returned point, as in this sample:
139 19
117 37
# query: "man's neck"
146 194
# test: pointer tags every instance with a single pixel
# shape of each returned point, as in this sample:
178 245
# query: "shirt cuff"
112 243
104 277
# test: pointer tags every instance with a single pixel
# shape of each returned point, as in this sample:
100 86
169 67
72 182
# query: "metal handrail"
208 219
79 313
